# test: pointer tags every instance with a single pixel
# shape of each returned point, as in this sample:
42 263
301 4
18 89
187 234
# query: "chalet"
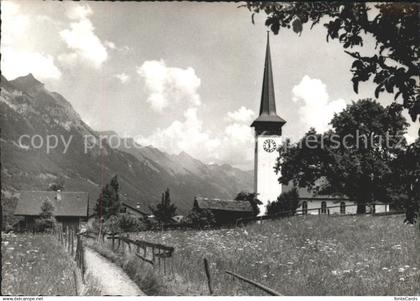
133 210
70 208
312 203
224 211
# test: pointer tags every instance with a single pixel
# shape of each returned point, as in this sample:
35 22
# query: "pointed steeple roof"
268 112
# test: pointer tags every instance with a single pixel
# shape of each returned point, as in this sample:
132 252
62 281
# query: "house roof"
70 204
225 205
268 114
124 203
306 194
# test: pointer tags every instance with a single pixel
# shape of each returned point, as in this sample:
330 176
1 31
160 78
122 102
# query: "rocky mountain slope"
27 108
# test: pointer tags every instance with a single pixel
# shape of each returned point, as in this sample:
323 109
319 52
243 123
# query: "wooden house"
70 208
225 211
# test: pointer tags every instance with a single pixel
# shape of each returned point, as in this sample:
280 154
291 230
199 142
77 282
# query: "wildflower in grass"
402 279
406 266
401 270
335 273
385 268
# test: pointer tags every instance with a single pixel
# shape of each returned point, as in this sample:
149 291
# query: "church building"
268 131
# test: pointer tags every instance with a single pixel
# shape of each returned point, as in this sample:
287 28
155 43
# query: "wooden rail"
254 283
152 253
302 212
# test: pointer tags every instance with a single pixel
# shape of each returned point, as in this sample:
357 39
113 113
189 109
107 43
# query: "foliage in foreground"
138 271
309 255
35 265
286 203
393 66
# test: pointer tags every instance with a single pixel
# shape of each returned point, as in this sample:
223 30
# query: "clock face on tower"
269 145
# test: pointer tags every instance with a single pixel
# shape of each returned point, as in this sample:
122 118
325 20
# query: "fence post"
72 243
206 268
67 238
159 258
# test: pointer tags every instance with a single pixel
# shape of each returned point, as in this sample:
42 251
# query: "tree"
108 203
286 204
356 158
407 183
251 198
200 218
46 218
394 67
164 211
58 184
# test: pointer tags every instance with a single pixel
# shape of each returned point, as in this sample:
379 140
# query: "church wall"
351 207
266 180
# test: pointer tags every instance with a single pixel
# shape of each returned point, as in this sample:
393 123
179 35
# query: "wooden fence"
73 244
303 212
157 255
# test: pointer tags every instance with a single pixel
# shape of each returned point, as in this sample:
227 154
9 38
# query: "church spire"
268 114
268 102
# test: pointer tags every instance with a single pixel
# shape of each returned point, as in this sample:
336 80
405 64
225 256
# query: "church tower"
267 138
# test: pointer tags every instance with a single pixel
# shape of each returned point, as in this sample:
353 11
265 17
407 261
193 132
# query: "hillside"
28 108
310 255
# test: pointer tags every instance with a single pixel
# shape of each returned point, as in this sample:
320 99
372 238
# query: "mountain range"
144 172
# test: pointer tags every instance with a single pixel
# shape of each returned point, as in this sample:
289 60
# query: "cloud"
316 109
79 12
15 64
234 145
14 24
123 77
187 135
15 61
167 85
81 39
112 46
241 115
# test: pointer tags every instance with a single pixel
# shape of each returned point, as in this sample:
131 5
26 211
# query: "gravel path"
113 280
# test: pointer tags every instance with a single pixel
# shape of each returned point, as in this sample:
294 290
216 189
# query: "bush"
112 225
44 224
200 218
128 223
46 220
286 204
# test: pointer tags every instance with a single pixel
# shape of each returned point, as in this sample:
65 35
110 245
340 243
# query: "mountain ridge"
144 172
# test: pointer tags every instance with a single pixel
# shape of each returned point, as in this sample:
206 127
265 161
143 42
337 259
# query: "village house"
312 203
224 211
133 210
70 208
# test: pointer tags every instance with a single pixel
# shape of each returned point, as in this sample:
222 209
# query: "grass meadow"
311 255
34 264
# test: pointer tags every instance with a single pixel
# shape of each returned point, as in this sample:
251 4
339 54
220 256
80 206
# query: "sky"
179 76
